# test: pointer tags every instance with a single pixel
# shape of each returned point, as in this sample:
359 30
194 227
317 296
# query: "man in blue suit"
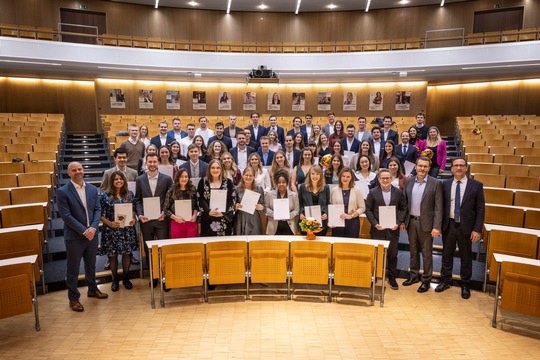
177 131
163 138
297 128
387 133
350 143
78 205
278 129
265 153
257 131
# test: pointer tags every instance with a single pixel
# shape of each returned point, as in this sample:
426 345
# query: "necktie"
194 171
457 202
405 150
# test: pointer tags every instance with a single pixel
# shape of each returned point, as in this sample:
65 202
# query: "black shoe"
424 287
411 281
134 260
127 284
442 286
154 283
115 284
393 283
107 266
465 291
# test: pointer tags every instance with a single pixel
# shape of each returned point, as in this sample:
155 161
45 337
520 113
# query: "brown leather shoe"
76 306
97 294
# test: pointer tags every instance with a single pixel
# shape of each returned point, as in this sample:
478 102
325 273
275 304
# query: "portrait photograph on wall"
324 101
403 100
224 101
274 101
172 99
146 99
199 100
249 100
349 101
298 101
376 101
118 99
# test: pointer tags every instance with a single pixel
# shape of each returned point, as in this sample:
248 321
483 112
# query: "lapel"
468 190
75 194
427 189
145 185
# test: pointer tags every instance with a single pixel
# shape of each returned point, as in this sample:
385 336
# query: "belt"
417 218
454 221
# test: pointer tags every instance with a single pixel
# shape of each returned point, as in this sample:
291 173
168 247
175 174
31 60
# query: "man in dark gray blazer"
78 205
424 196
120 158
152 184
195 166
464 210
387 195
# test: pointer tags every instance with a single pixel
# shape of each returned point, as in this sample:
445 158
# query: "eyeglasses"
386 178
459 165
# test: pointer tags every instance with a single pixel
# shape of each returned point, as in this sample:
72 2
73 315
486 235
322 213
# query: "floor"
410 326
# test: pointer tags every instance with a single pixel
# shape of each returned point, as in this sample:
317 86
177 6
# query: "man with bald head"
78 205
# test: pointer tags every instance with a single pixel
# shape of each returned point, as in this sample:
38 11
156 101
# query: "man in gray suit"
120 159
328 129
362 133
425 198
152 184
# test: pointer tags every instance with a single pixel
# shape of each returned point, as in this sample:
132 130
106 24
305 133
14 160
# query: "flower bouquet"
427 153
310 226
477 131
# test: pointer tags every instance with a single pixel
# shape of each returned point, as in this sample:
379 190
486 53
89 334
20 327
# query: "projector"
262 72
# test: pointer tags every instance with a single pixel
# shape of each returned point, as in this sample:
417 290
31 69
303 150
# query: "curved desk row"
326 261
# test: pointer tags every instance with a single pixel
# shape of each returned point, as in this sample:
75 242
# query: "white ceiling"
287 5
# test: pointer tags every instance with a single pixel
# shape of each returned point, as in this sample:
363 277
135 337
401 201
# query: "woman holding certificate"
217 200
299 172
118 235
262 177
281 207
314 197
248 219
230 169
351 198
181 206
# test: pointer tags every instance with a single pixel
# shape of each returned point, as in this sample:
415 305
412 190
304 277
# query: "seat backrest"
310 262
491 180
499 196
23 215
522 182
505 215
226 262
269 261
353 264
521 292
509 243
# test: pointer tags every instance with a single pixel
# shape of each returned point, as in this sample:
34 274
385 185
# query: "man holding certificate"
386 208
151 189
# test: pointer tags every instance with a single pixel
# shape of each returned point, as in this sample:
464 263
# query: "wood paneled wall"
75 99
129 19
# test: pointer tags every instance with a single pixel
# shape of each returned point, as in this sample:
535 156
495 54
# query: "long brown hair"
177 191
124 191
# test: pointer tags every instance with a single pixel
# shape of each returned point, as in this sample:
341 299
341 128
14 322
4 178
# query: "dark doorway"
498 20
79 22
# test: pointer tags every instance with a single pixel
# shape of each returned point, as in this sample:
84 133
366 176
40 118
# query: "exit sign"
83 7
497 6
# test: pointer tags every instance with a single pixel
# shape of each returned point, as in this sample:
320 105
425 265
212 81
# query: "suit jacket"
355 147
157 142
234 153
272 224
306 199
431 207
227 132
280 133
292 133
131 175
225 139
143 190
296 156
356 200
365 136
392 135
261 131
183 134
472 207
71 210
411 155
375 199
203 168
326 130
270 157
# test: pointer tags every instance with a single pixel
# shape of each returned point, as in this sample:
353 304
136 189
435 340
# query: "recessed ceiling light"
193 3
262 7
331 6
403 2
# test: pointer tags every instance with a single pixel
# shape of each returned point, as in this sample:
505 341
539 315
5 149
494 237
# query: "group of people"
212 176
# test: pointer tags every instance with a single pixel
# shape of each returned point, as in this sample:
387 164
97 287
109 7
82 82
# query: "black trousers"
452 236
392 252
154 230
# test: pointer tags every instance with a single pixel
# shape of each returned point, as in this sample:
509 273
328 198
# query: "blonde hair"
234 167
428 140
259 168
319 186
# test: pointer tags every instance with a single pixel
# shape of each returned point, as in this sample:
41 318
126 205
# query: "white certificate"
334 218
314 212
409 167
347 156
195 182
167 170
363 186
387 216
123 214
132 186
218 200
332 186
152 207
281 209
249 201
182 208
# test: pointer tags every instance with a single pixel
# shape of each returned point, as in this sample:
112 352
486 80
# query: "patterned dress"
116 241
216 226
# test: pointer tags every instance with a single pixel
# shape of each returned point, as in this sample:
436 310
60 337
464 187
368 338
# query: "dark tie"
457 202
405 150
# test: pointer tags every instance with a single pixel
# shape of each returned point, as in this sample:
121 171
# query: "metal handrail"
60 32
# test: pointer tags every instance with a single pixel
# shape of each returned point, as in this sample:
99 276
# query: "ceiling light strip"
229 7
31 62
367 6
442 2
157 4
297 7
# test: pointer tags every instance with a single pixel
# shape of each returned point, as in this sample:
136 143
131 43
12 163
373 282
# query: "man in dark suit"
464 210
152 184
265 153
241 151
387 195
278 129
406 151
177 131
387 133
257 131
163 138
421 126
425 198
78 205
349 143
291 154
231 130
196 168
221 137
249 139
297 128
120 159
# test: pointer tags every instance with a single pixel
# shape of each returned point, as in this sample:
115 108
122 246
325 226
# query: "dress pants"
154 229
420 241
452 236
392 252
350 230
77 249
